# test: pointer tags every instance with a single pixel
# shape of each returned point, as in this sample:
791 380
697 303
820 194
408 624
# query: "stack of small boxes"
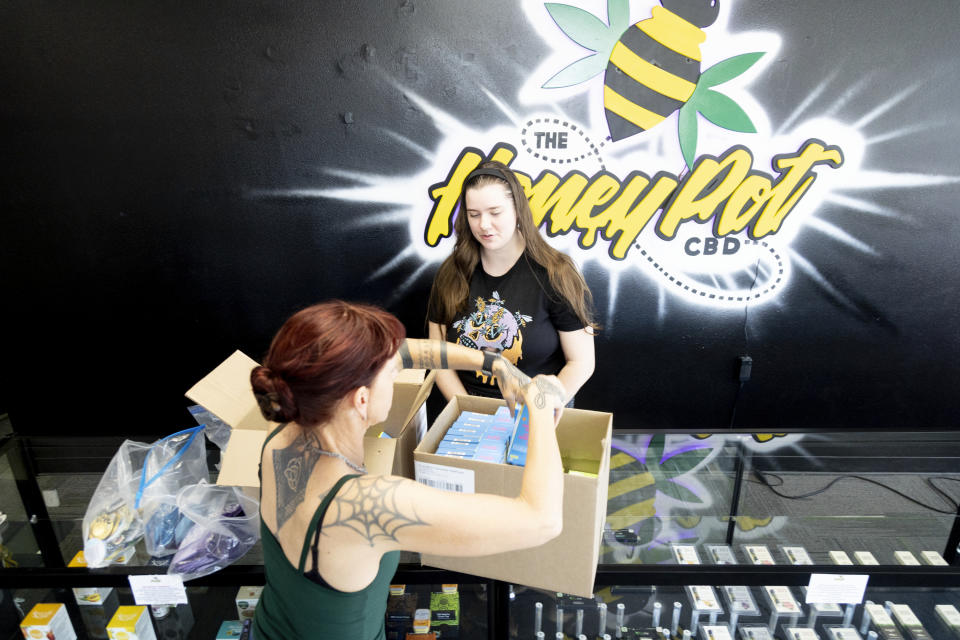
479 436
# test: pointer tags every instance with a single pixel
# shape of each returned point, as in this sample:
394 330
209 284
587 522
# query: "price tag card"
843 633
443 477
739 600
782 601
721 554
796 555
703 598
158 589
864 557
801 633
828 588
715 632
840 557
685 554
758 554
755 632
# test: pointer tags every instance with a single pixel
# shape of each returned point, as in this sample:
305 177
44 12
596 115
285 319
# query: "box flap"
227 393
241 460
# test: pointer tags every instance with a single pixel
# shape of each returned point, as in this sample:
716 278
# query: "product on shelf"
933 558
796 555
905 558
685 553
720 554
46 621
882 622
840 557
865 558
247 599
904 615
758 554
131 623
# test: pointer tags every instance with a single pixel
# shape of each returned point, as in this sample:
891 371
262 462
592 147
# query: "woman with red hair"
328 556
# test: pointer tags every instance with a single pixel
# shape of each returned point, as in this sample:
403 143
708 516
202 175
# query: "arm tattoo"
405 356
545 388
368 506
292 467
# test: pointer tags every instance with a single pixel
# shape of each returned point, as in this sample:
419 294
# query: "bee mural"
655 65
653 68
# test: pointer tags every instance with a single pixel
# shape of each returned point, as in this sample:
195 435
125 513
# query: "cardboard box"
131 623
226 393
48 621
247 599
568 563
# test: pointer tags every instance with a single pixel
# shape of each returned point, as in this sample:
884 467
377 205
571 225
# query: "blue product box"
230 630
517 453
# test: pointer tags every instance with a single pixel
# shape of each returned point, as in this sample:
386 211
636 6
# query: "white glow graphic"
697 265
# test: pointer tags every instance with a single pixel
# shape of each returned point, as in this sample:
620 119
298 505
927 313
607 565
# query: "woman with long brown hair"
505 291
331 532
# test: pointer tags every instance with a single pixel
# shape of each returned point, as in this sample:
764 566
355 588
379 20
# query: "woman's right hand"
545 392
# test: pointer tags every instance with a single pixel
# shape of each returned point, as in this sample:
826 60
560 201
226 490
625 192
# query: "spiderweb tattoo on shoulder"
368 506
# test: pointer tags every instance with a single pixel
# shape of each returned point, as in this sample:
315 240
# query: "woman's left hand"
511 382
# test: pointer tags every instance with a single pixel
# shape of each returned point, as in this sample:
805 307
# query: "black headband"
484 171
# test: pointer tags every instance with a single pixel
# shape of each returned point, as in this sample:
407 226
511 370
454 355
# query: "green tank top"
293 606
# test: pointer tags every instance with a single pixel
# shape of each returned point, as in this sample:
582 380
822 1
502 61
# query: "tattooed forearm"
424 354
368 506
292 467
405 356
544 389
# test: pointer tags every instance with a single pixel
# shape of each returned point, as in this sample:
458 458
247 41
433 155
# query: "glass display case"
705 534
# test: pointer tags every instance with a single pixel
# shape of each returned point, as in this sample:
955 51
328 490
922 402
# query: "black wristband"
488 359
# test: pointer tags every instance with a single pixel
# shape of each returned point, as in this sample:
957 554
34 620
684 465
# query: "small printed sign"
158 589
828 588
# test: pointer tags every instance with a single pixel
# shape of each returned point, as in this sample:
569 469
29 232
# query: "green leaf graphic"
728 69
687 131
582 27
580 71
680 492
655 450
684 462
618 14
723 112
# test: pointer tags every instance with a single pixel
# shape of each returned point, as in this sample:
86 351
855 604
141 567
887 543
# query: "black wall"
139 250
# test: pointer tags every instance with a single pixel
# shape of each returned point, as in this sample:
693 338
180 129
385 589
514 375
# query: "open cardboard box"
226 392
568 563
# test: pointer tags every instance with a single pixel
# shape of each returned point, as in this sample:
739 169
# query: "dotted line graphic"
593 148
709 294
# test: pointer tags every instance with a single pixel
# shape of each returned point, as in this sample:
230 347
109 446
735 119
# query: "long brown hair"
451 286
321 354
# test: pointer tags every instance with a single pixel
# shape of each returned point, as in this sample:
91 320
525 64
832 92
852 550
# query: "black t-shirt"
517 315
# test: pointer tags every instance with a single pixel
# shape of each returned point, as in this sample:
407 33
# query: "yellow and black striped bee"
655 65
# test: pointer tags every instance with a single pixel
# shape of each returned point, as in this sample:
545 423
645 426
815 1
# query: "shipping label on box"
48 620
131 623
568 563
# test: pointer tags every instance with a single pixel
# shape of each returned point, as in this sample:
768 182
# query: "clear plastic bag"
112 523
174 462
227 525
217 431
